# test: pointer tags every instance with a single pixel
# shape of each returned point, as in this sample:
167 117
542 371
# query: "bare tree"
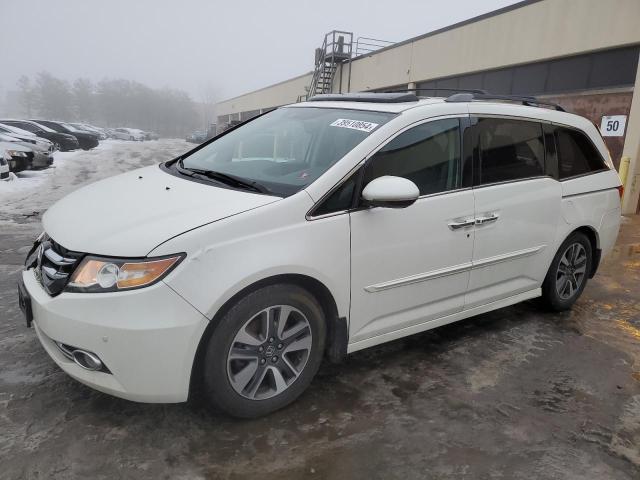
83 100
26 95
53 97
208 96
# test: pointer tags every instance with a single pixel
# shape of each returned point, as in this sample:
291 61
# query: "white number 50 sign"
613 125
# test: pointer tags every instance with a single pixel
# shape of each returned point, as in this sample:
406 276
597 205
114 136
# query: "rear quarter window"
576 154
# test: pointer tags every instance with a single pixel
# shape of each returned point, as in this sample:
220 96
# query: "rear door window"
576 154
509 150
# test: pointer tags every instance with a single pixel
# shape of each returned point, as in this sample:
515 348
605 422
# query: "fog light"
87 360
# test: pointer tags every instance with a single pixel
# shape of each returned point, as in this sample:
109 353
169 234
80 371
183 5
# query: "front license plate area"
24 300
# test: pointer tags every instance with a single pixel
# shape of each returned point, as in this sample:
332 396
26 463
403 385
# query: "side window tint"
510 150
576 154
428 155
340 199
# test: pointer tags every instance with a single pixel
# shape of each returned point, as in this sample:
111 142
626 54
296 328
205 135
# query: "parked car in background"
133 134
4 166
139 135
86 140
40 157
61 141
121 134
91 129
18 156
26 136
151 136
197 137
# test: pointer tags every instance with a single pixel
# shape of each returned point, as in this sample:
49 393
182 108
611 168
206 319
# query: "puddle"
630 250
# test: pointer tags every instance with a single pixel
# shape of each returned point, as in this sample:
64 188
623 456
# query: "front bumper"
41 160
147 338
18 164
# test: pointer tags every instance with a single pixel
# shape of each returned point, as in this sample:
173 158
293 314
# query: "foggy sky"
230 46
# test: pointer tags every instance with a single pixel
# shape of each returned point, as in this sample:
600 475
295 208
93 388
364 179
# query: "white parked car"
128 134
4 162
318 229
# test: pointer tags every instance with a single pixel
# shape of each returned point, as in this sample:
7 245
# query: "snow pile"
32 192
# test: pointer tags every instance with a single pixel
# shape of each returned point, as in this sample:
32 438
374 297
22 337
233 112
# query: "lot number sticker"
613 125
355 125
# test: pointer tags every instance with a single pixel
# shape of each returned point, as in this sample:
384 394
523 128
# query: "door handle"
461 223
486 219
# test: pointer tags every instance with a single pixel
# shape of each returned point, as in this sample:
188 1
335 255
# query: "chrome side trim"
420 277
485 262
590 191
443 272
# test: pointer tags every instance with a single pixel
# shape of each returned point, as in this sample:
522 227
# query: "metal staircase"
336 49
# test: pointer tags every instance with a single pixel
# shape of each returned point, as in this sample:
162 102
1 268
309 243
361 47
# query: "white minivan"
316 230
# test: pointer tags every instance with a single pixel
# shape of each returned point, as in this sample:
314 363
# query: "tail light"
621 191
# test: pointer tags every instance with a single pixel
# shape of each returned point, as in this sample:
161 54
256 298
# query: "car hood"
130 214
15 145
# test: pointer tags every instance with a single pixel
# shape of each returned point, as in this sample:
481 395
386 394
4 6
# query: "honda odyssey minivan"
316 230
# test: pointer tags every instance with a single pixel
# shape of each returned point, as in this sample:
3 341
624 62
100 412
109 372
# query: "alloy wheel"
571 272
269 352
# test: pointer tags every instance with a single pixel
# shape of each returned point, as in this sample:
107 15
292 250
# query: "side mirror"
390 192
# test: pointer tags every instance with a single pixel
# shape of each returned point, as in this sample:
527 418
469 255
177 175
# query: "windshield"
288 148
70 128
44 127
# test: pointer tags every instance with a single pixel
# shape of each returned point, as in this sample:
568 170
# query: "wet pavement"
513 394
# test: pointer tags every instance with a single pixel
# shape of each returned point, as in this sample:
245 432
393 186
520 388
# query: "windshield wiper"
225 178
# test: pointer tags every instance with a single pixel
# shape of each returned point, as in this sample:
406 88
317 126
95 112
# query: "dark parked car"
63 141
86 140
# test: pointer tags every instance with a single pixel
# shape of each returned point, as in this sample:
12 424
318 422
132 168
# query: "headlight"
16 153
99 274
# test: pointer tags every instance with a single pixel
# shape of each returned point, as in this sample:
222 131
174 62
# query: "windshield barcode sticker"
355 125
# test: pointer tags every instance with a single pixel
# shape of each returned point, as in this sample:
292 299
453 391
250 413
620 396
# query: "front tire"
265 351
568 273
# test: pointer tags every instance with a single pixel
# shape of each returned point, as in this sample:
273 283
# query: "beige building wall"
538 31
276 95
630 203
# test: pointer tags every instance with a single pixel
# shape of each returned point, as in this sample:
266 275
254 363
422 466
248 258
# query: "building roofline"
484 16
264 88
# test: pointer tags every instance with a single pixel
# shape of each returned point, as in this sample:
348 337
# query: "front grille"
52 263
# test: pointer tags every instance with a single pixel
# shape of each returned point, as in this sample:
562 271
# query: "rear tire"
265 351
568 273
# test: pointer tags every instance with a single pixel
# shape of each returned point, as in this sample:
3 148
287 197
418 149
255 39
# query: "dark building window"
498 81
611 68
614 68
471 81
530 79
569 74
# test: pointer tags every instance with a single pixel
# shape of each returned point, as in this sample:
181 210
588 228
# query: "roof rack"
435 89
523 100
395 97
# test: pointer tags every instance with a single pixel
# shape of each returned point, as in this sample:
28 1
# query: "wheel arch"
337 328
592 234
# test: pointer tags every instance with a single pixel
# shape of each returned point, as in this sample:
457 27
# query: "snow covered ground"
32 192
